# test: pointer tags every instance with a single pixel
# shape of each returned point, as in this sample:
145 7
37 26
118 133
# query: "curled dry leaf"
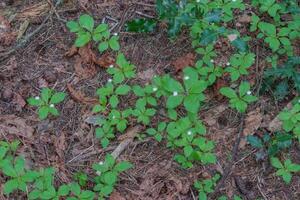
19 101
34 11
80 97
13 125
253 121
184 61
72 51
60 145
7 36
116 196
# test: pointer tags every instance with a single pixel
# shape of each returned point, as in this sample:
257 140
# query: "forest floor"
67 142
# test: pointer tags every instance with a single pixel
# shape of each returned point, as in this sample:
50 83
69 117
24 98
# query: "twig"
234 154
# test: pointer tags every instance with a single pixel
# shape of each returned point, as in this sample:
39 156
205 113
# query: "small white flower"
233 0
115 34
114 117
212 61
189 132
111 66
51 105
101 163
154 89
186 78
228 63
37 98
198 1
249 92
109 80
175 93
299 101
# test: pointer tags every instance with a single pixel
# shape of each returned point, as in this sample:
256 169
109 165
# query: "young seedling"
285 169
238 65
241 100
46 103
85 32
157 134
119 119
110 94
105 132
142 113
124 69
209 73
109 171
207 53
206 186
291 120
145 94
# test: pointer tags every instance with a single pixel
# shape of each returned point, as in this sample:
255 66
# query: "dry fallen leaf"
84 71
105 60
184 61
116 196
146 75
19 101
244 19
60 145
253 121
80 97
232 37
34 11
72 51
11 124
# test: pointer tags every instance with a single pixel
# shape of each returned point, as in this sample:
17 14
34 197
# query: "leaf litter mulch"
67 142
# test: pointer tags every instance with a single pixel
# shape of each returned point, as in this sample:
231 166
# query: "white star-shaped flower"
198 1
109 80
154 89
101 163
37 98
228 63
299 101
51 105
175 93
115 34
233 0
189 132
186 78
111 66
249 92
114 117
212 61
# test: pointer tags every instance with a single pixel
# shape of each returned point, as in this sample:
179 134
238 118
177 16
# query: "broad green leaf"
34 102
73 26
174 101
228 92
87 22
122 90
82 39
244 88
43 112
276 163
123 166
103 46
114 43
57 97
254 141
10 186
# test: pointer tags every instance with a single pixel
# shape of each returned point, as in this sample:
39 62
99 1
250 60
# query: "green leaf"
123 166
10 186
73 26
46 94
63 190
75 188
101 28
43 112
82 39
174 101
254 141
34 102
114 43
191 103
110 178
114 101
87 22
228 92
276 163
86 194
122 90
57 97
240 44
244 88
103 46
141 25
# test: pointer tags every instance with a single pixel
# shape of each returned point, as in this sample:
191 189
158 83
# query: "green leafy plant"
271 7
141 25
238 65
291 120
188 134
145 94
46 103
109 171
142 113
275 38
157 134
209 73
270 146
105 132
285 169
190 95
206 186
123 69
207 53
280 80
86 32
241 100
